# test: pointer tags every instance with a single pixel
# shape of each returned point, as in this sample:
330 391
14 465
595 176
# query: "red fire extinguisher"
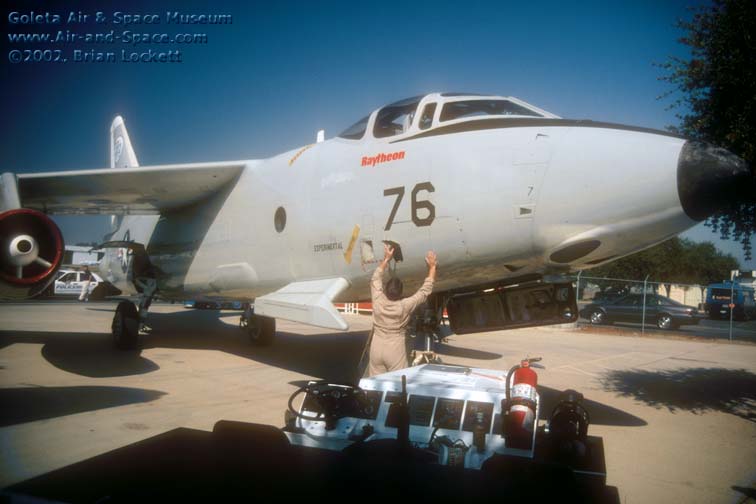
519 407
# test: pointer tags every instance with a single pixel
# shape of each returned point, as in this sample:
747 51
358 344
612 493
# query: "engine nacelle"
31 251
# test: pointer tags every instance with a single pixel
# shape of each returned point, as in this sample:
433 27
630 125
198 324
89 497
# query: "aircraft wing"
308 302
146 190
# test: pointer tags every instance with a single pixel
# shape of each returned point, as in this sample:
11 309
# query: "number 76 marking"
416 205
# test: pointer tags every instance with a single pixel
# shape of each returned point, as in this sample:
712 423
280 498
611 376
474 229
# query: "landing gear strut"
428 329
149 287
129 320
261 330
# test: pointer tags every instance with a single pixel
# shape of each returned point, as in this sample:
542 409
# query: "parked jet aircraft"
510 196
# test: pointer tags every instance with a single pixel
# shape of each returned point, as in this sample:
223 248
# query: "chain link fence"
721 311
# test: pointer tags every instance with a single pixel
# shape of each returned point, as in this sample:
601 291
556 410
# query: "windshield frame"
384 124
441 100
353 136
449 104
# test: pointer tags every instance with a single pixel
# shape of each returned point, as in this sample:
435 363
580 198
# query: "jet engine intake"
31 251
709 178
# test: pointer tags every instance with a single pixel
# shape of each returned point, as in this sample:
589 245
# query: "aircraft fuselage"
493 203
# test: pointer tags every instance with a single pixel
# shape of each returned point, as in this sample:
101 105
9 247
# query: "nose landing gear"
125 326
129 321
429 330
261 330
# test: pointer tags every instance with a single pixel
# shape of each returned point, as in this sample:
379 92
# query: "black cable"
433 434
296 413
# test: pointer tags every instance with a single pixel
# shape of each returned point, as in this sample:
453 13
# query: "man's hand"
430 259
388 252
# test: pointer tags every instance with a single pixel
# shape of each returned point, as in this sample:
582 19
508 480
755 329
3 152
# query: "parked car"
610 294
665 313
69 283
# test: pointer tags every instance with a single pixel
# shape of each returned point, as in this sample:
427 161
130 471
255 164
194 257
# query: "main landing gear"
261 330
125 327
129 321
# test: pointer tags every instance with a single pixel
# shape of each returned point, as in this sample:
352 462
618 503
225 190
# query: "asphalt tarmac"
677 414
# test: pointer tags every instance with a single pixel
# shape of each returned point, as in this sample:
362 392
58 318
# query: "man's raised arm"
425 290
376 283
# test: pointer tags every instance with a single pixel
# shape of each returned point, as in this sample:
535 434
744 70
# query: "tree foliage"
673 261
717 95
704 264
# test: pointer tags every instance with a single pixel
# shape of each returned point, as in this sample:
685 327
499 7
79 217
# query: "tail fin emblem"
118 148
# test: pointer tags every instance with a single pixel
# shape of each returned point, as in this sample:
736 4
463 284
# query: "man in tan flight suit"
391 314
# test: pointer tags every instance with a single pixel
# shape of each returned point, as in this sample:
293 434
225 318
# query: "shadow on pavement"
328 356
85 354
28 404
601 414
331 356
299 383
466 353
93 355
747 492
697 389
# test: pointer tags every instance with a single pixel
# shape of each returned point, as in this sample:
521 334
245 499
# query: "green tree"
717 95
659 261
673 261
703 264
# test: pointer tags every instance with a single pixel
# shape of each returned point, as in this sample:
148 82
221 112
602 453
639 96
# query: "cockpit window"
426 119
356 130
449 95
477 108
396 118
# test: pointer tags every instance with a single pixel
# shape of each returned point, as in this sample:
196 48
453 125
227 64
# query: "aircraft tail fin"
122 154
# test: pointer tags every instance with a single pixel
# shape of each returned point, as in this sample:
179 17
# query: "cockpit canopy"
420 113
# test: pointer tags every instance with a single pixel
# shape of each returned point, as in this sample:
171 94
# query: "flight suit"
388 349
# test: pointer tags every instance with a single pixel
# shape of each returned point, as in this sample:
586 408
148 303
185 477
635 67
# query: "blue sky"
283 70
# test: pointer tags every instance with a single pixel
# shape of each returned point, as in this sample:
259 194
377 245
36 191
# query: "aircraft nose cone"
708 177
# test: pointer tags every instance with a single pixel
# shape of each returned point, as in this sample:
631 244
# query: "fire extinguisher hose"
508 393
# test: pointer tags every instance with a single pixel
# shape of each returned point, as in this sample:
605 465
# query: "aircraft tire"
125 327
261 330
